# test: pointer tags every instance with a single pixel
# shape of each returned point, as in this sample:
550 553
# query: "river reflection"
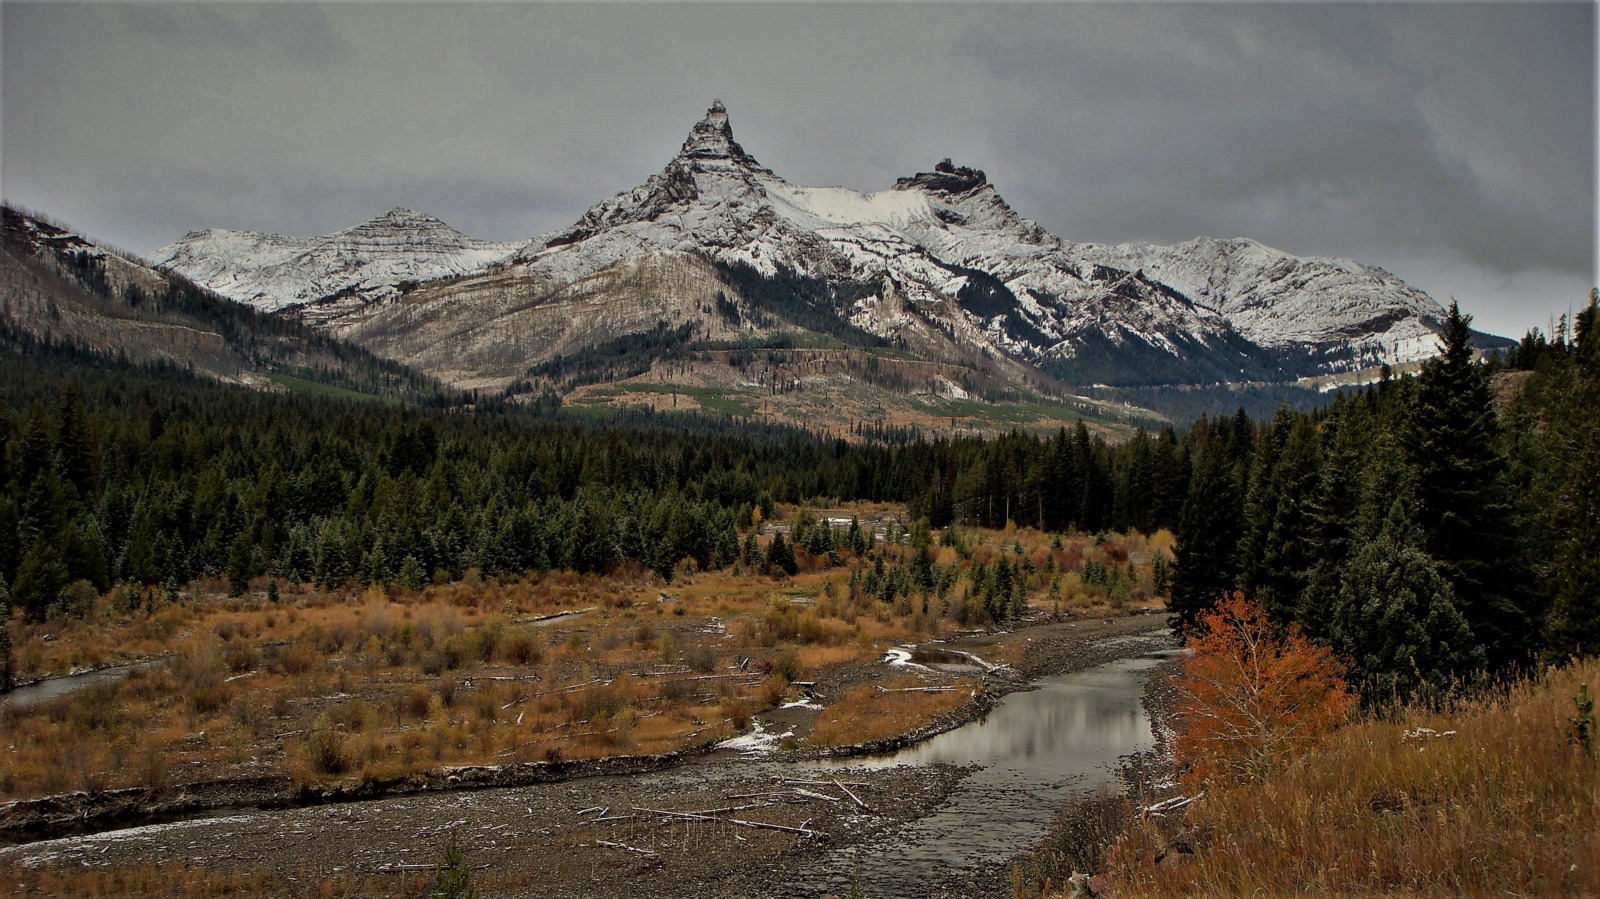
1035 747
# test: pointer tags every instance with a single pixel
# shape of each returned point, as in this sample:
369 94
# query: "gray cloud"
1452 144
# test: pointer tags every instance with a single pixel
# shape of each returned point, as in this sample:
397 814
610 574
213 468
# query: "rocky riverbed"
710 825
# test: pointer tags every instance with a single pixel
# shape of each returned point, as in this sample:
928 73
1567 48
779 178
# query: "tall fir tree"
1558 461
1208 534
1278 549
1463 502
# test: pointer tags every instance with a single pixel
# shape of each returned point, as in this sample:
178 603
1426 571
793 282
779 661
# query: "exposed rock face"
939 263
1283 301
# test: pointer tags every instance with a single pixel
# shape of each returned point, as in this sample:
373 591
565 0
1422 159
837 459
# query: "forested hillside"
1415 527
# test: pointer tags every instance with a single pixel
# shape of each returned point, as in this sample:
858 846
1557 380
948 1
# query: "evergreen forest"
1432 530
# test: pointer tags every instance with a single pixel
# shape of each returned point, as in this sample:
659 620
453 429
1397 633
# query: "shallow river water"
1035 750
57 687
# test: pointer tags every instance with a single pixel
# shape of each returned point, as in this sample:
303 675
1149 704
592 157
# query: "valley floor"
584 837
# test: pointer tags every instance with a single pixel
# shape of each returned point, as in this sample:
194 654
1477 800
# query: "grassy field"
716 401
1499 796
378 681
314 388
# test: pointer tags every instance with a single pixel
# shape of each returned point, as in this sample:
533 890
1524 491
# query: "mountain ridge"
938 263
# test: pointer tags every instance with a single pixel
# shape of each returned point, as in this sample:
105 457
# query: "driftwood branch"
853 797
803 831
626 848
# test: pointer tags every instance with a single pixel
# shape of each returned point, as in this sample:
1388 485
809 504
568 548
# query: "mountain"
365 263
721 250
1287 302
63 293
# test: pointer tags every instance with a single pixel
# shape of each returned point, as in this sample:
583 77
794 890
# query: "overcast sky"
1453 144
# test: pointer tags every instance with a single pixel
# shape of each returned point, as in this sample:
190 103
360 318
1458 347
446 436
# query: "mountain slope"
1282 301
61 292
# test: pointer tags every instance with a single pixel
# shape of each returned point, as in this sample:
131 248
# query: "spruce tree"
1463 504
1396 617
1208 536
1559 463
780 556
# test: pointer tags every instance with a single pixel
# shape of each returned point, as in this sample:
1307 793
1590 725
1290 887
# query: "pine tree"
74 447
7 671
1396 616
1463 504
1348 434
451 877
240 565
40 579
780 556
412 577
1558 462
1208 536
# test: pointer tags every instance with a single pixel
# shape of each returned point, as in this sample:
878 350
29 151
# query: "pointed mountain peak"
946 177
711 139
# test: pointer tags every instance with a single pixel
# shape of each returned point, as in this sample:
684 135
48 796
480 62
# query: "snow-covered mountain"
938 264
367 262
1282 301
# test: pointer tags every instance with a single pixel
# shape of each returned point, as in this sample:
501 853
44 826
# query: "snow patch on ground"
757 742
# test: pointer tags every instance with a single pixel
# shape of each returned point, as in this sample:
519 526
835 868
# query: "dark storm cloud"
301 32
1452 144
1288 125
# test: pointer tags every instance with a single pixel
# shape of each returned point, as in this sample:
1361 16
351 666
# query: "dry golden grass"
875 712
1507 805
462 673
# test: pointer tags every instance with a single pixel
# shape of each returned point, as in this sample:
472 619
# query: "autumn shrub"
447 691
200 672
522 648
1252 696
870 712
701 658
323 749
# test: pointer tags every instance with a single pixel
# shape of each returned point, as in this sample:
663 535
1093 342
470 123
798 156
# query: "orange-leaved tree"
1252 695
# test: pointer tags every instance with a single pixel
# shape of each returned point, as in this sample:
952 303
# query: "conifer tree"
1208 536
1396 617
780 556
1559 462
1463 506
7 671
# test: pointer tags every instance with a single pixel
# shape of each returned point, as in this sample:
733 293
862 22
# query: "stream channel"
1035 750
1029 756
30 695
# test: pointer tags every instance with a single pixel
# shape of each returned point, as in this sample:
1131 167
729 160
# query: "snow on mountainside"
938 264
1279 300
273 272
58 288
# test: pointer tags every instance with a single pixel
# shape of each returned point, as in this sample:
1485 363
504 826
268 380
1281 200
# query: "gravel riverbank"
763 824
